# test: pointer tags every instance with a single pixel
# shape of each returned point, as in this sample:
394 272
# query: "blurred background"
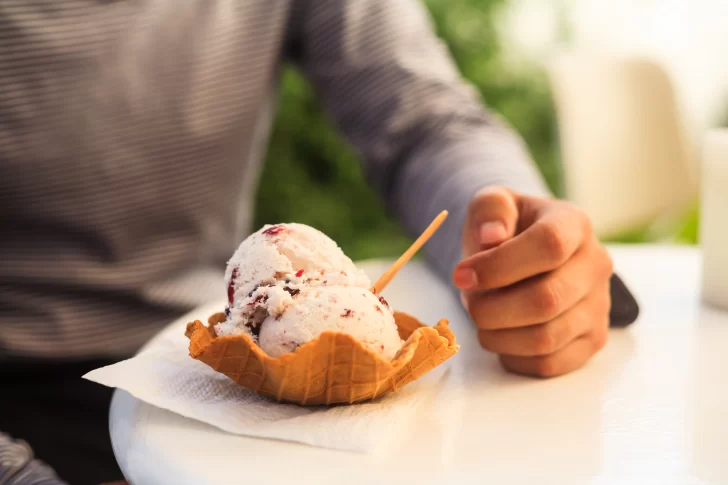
649 76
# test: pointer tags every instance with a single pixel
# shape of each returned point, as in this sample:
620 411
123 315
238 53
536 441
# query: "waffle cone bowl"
334 368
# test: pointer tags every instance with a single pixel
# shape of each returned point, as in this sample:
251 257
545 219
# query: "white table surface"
651 408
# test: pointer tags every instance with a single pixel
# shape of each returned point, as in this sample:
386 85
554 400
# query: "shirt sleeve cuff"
446 176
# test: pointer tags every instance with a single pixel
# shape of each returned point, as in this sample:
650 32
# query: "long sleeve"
425 139
19 467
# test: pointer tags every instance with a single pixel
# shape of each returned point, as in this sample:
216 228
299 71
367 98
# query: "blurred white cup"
714 218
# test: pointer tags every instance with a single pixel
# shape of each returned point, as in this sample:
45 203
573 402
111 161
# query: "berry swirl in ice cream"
288 283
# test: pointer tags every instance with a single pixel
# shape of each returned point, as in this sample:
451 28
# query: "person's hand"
535 281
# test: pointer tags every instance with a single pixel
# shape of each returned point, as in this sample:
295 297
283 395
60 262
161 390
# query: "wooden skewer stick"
411 251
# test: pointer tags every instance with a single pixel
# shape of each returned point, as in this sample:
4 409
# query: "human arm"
428 144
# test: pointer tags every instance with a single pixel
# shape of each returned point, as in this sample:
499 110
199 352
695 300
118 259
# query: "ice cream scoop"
288 283
347 309
302 324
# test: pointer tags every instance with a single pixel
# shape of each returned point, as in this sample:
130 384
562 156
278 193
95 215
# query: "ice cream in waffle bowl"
303 325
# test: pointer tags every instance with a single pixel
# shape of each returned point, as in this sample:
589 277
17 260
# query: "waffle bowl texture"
334 368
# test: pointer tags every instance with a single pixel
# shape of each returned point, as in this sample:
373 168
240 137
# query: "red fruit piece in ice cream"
272 231
231 286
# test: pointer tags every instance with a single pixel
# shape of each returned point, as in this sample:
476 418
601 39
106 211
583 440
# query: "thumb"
492 217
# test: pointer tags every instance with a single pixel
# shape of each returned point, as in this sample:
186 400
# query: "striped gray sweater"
131 134
18 465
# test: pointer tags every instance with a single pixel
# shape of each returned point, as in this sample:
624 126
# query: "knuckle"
553 242
546 367
490 196
599 339
500 195
609 264
485 341
546 340
584 219
482 316
606 264
492 190
604 304
495 194
479 313
547 301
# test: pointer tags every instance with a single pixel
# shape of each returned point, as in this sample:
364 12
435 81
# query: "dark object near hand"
625 309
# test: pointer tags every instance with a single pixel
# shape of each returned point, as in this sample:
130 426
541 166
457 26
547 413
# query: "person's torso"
128 135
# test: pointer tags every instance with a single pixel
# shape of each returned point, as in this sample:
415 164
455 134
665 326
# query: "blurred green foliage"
688 230
312 176
517 91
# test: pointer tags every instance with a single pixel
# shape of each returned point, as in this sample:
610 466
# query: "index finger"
544 246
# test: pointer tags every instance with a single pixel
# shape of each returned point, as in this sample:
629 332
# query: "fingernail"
465 278
492 233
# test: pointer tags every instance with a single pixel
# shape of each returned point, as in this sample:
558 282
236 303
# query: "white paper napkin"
165 376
